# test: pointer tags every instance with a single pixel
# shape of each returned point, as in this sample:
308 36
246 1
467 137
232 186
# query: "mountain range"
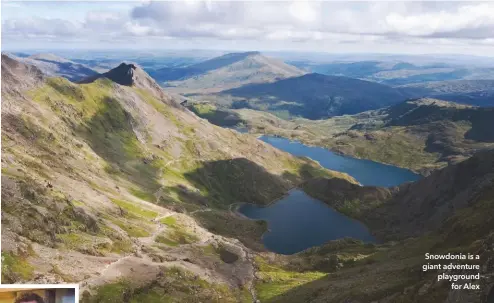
53 65
225 72
315 96
112 183
402 71
252 80
92 169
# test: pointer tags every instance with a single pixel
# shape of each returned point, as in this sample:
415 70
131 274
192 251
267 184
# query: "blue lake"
298 221
364 171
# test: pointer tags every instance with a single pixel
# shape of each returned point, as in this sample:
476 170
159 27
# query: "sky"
409 27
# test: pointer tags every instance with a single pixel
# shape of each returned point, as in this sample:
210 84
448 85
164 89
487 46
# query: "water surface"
364 171
299 221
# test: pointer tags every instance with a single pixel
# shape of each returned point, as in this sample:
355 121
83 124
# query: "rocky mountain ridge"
121 189
112 185
55 66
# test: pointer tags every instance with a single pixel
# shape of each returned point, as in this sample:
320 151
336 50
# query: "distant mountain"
394 72
453 86
473 92
52 65
314 96
422 111
49 58
225 72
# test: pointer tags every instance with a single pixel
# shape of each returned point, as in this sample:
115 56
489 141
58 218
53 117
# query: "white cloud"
463 20
419 23
36 26
468 21
303 11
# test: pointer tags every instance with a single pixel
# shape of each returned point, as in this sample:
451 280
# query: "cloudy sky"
388 27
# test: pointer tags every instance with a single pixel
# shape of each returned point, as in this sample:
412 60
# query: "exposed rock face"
101 170
449 211
486 292
133 75
123 74
17 75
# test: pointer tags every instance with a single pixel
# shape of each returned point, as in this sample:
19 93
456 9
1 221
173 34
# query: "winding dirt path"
141 267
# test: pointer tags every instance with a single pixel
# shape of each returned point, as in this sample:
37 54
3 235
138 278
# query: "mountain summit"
130 74
225 72
123 74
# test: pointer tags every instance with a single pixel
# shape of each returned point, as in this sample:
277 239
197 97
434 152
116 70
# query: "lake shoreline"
297 221
291 231
337 152
364 171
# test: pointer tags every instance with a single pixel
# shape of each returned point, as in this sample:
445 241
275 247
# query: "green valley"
113 184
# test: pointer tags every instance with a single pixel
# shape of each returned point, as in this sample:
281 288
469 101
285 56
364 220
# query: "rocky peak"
124 74
130 74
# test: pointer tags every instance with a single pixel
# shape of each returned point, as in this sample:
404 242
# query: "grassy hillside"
123 190
102 178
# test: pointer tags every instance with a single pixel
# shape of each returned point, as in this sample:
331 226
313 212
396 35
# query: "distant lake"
366 172
298 221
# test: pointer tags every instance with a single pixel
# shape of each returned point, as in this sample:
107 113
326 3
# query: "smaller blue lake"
366 172
299 221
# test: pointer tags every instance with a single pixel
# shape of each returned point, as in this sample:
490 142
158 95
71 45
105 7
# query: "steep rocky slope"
113 184
413 209
225 72
54 66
